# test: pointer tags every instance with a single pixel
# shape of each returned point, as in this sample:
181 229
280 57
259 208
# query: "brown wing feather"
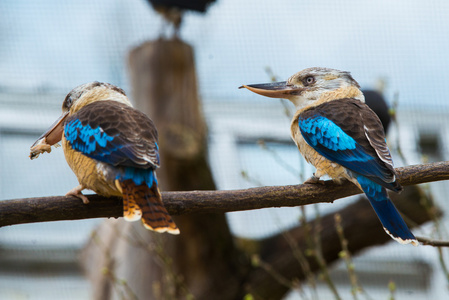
135 135
359 122
363 125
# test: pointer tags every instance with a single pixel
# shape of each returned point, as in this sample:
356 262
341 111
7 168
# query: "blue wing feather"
96 144
113 133
92 142
329 140
118 135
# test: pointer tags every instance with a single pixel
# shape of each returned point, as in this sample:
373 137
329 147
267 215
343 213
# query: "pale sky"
60 44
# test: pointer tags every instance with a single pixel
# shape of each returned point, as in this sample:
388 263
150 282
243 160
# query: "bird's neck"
341 93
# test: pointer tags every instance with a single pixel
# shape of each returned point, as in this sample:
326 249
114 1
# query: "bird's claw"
314 180
76 192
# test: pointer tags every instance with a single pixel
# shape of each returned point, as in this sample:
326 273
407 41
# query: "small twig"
284 102
318 254
172 280
346 255
429 242
392 289
127 292
280 161
302 260
249 179
306 269
443 262
257 262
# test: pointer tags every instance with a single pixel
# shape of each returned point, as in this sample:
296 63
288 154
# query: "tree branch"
433 243
44 209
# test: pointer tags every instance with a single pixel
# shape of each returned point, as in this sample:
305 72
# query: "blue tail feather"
387 213
139 176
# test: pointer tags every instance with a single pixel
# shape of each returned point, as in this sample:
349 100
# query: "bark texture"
58 208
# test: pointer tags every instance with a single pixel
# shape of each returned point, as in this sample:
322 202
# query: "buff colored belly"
323 165
87 172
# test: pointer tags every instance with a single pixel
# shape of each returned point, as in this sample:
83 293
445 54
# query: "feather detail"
387 213
141 200
113 133
348 132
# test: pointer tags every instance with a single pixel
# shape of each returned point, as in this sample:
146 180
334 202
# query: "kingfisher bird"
342 137
113 150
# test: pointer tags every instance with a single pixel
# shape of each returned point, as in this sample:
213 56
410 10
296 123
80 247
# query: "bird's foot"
314 180
76 192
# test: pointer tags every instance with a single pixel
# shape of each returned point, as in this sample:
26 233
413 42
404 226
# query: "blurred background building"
48 47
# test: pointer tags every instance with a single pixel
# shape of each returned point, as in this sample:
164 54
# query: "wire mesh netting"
48 47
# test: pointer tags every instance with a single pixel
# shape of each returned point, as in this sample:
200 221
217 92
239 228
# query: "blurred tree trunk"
202 260
164 84
125 261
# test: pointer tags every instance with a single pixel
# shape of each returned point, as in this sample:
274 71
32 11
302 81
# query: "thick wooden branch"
44 209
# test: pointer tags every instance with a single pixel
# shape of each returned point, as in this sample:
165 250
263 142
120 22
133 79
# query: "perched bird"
113 150
342 137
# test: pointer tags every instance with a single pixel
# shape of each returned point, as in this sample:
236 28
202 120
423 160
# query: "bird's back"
105 137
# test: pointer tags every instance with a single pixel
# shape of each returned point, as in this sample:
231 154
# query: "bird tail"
143 202
387 213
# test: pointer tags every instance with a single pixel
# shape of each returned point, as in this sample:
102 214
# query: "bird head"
311 86
91 92
76 99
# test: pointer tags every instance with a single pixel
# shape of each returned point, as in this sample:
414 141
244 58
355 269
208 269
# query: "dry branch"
44 209
430 242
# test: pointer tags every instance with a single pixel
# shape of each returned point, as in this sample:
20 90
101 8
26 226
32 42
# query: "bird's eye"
309 80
